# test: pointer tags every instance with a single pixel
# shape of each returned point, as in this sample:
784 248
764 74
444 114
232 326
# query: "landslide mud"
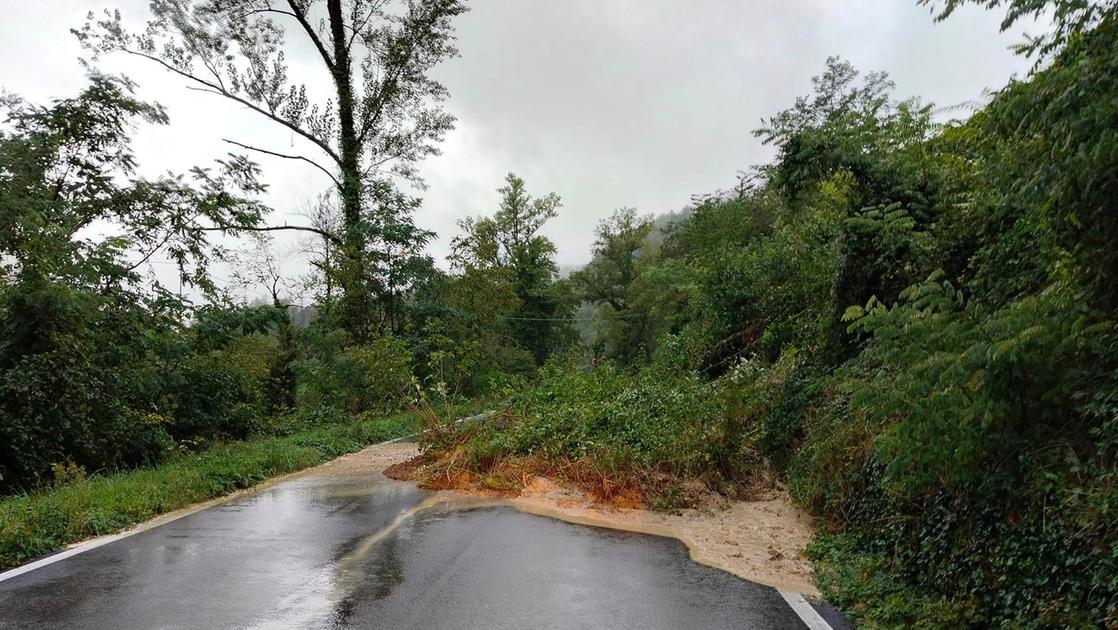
762 541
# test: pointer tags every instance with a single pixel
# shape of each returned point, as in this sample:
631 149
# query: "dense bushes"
967 453
67 392
645 431
103 384
354 378
975 436
959 445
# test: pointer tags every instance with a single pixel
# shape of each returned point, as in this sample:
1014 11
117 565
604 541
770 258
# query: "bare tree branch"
288 157
269 10
153 250
274 228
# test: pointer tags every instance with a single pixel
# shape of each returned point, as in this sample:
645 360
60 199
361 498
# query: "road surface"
322 551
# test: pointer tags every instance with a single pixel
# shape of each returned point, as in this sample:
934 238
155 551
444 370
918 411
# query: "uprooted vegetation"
660 437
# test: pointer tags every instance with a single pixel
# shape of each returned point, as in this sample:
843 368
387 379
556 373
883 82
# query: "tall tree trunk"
356 302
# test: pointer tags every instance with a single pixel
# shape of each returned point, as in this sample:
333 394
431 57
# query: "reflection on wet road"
359 552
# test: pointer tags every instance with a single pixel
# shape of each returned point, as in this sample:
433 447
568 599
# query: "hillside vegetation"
909 322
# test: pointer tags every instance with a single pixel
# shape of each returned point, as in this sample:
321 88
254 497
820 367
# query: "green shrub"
75 373
211 396
656 418
376 375
956 454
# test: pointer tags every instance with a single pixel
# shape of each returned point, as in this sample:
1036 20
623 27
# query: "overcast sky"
608 103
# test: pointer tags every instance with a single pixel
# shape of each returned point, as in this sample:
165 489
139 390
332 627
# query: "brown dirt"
405 469
373 459
761 540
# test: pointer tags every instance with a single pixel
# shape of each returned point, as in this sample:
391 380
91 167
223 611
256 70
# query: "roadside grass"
46 520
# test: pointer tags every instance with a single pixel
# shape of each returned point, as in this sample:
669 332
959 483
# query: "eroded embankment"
761 540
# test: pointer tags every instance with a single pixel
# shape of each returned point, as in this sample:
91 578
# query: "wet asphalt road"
330 552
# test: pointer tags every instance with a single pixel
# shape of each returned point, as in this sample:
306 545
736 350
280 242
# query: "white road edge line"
806 612
62 555
163 520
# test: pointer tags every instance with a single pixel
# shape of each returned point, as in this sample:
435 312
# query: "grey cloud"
609 103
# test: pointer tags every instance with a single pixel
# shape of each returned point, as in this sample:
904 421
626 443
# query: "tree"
384 113
606 282
1068 18
260 268
851 123
86 345
620 239
852 133
321 251
66 167
1055 191
508 251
